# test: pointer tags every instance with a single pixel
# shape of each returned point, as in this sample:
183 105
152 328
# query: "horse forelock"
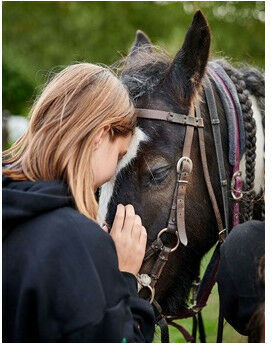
142 72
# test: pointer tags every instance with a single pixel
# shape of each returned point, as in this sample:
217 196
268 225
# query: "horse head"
146 176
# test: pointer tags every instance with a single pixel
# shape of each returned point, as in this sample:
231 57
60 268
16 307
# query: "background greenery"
41 37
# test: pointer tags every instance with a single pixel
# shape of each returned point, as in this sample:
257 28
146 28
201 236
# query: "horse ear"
142 42
188 66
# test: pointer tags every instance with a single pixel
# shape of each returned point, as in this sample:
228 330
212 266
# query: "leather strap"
161 322
220 328
169 116
159 265
172 221
202 333
186 334
215 122
182 181
194 329
207 175
156 245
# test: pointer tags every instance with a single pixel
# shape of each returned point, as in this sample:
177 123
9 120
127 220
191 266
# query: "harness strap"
220 327
162 323
194 329
207 175
172 222
169 116
182 182
185 333
159 265
209 278
177 214
202 334
156 245
215 122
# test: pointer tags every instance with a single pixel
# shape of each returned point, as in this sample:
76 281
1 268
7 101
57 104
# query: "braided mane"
245 80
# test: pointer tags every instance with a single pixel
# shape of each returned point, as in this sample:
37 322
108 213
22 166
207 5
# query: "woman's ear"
100 136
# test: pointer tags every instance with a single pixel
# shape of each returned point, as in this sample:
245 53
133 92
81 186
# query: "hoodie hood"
23 200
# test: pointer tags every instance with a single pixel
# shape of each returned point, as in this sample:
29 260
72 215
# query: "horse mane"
143 71
255 83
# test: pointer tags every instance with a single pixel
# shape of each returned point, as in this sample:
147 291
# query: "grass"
210 317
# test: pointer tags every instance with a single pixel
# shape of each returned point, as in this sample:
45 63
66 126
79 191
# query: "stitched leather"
219 150
159 265
169 117
207 175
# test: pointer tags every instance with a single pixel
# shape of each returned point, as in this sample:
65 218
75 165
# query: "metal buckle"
233 191
144 281
165 230
184 158
222 235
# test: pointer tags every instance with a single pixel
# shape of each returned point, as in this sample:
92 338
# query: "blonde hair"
73 107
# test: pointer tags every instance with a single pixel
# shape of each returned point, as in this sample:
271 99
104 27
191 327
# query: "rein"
176 223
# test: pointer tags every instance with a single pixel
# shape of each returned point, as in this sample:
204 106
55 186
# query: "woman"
64 278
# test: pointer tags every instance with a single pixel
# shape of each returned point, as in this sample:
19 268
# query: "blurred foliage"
42 37
16 88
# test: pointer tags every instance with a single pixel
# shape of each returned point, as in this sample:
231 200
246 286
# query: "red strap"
185 333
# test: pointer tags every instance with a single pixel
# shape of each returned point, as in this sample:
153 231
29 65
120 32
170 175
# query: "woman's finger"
143 236
136 231
137 220
119 219
129 219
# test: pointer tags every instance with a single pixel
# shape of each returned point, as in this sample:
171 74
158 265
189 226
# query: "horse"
146 175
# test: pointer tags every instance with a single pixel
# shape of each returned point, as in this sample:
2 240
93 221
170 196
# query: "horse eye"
156 176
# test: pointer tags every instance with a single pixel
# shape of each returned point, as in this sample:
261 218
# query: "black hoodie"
61 281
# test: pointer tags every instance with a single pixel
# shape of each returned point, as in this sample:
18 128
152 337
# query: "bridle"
176 222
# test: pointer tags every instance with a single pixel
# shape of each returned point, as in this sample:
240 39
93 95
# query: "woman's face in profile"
106 156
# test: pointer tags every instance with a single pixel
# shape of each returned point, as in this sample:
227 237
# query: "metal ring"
184 158
233 191
166 229
152 292
223 231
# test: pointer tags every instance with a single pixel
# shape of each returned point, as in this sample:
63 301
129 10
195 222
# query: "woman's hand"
129 237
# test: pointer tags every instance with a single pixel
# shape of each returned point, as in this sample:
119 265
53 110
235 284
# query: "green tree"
41 37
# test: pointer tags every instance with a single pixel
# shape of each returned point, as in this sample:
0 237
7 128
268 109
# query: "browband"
170 117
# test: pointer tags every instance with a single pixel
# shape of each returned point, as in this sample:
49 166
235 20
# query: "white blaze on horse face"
107 189
259 167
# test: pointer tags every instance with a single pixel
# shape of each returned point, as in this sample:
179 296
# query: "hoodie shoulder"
65 226
43 214
68 219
